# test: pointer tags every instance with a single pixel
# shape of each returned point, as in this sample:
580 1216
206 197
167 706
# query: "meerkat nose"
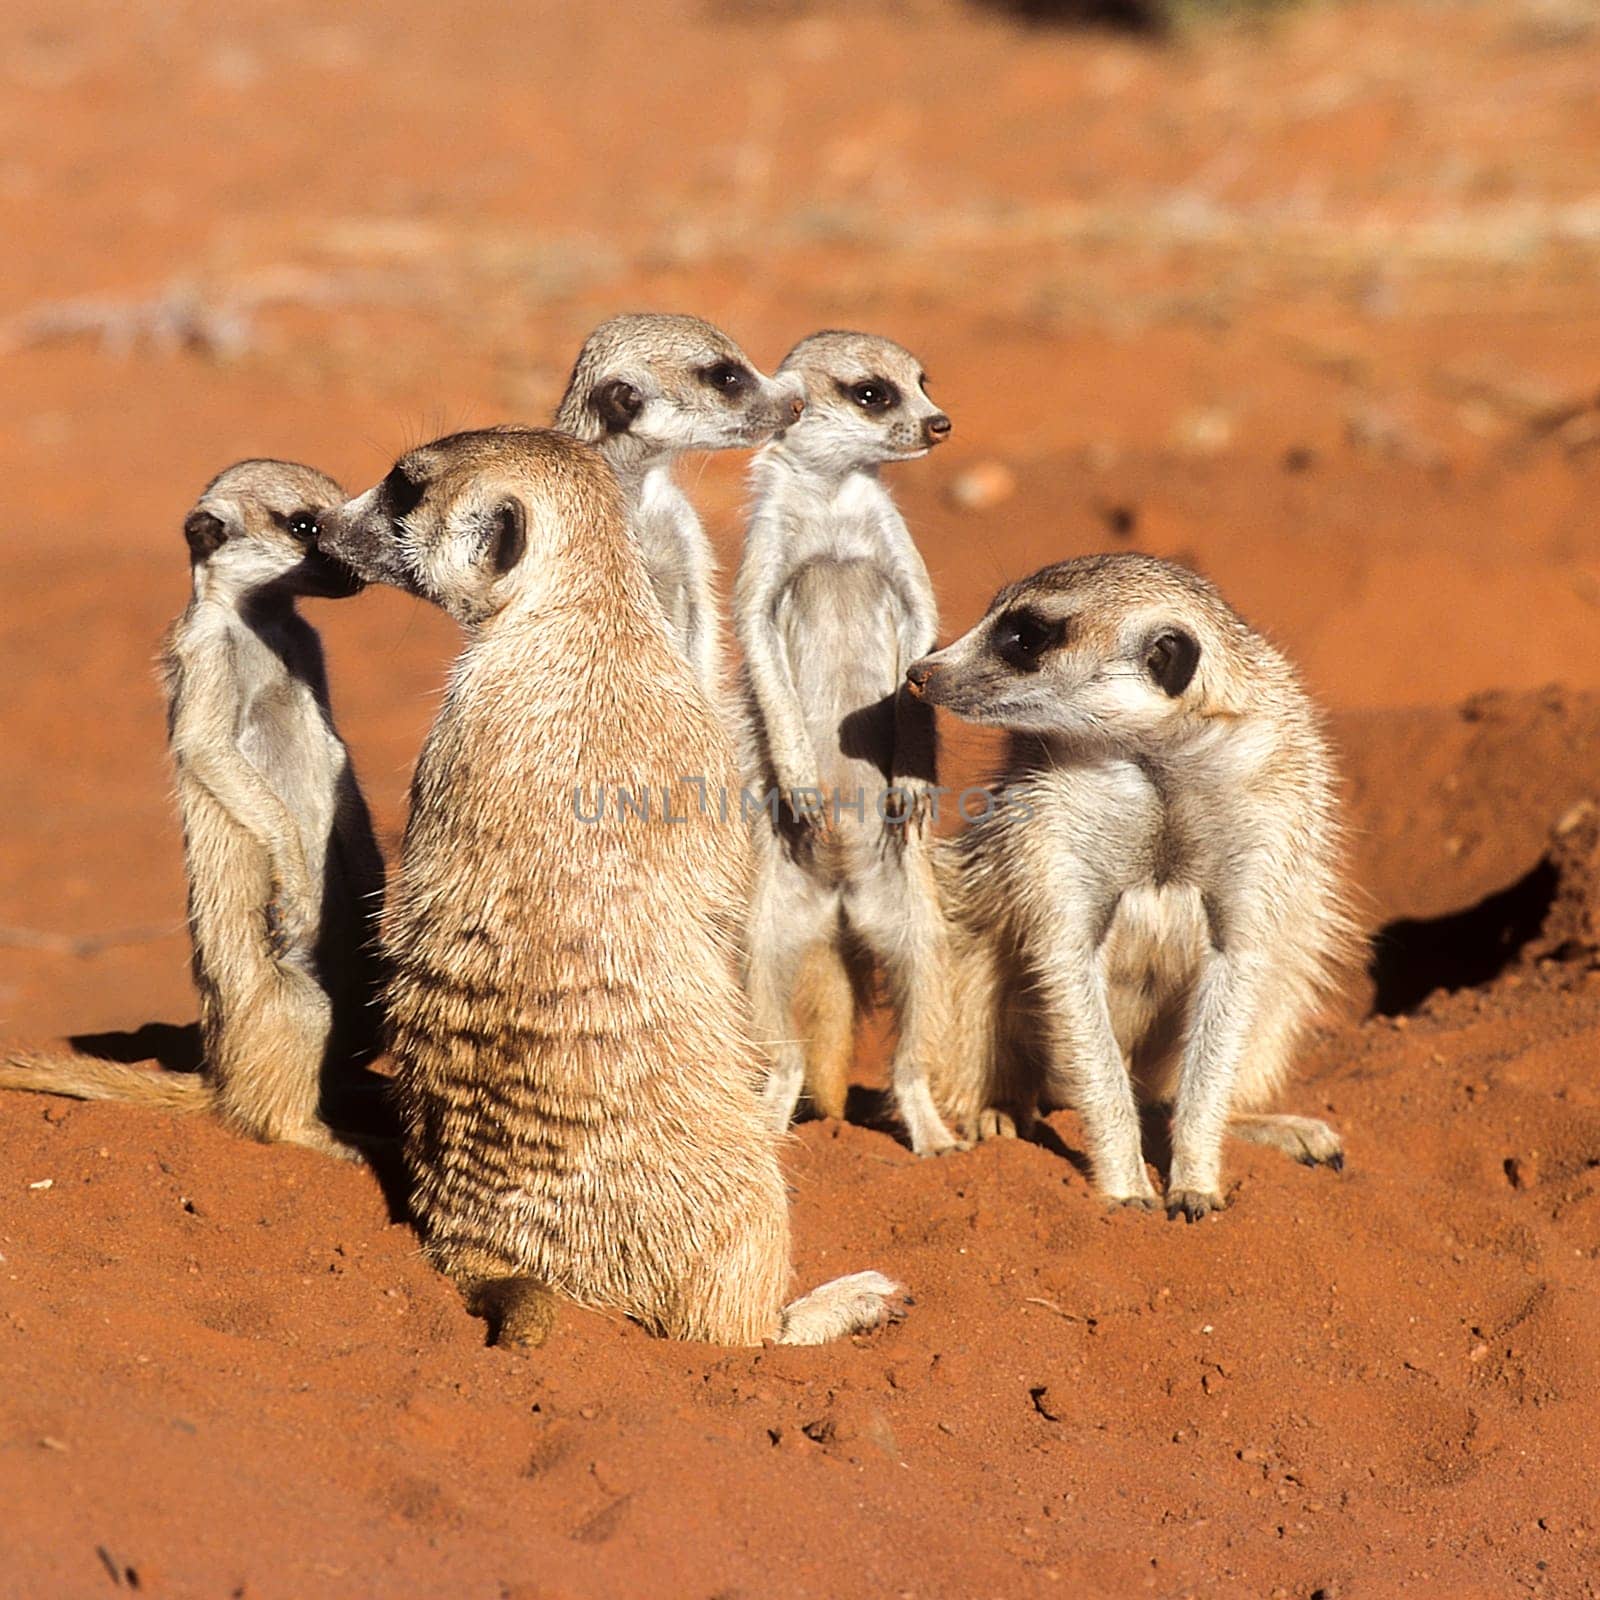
797 405
937 428
917 675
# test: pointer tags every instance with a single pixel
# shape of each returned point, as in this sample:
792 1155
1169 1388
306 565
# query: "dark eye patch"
1021 638
399 495
727 378
875 395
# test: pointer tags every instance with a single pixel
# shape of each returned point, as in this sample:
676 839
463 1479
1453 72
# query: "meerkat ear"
1171 660
617 403
509 539
205 534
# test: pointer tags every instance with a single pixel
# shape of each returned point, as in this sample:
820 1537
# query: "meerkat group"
601 1026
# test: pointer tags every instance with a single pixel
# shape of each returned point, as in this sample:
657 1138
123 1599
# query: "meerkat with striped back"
574 1063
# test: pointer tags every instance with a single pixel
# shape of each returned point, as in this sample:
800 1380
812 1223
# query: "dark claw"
1191 1207
1336 1161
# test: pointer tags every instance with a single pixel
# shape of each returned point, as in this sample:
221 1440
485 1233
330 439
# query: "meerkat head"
866 402
1117 649
649 384
254 530
475 520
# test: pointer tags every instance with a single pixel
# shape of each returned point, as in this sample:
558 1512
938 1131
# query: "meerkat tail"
846 1305
89 1078
1310 1142
520 1311
824 1007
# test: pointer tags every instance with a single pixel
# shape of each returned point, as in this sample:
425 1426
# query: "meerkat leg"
1222 1013
896 909
1088 1072
1309 1141
269 1069
846 1305
789 914
824 1008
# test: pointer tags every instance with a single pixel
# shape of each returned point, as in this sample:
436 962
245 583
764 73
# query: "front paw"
1193 1204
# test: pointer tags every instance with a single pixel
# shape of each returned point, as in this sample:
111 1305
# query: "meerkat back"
574 1059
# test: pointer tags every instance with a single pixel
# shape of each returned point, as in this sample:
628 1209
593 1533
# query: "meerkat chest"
1121 857
854 522
285 736
1117 851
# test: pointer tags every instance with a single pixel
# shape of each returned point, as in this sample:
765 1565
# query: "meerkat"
575 1070
1153 906
832 604
285 876
647 387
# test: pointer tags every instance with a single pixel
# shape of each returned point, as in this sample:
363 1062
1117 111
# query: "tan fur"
574 1062
1155 906
285 877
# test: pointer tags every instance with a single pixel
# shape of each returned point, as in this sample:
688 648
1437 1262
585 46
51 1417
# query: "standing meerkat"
832 604
285 876
575 1072
647 387
1154 907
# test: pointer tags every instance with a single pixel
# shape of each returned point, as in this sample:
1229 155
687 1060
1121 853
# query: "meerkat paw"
1137 1193
925 1127
1193 1204
993 1123
319 1137
851 1304
944 1143
1311 1142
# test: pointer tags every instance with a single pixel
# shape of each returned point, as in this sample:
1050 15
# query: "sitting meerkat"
832 604
285 876
1153 907
647 387
574 1067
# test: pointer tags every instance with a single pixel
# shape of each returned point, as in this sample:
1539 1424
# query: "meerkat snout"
936 429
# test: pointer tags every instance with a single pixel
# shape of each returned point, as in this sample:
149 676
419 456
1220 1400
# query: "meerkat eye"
1171 659
874 394
1021 638
727 376
304 526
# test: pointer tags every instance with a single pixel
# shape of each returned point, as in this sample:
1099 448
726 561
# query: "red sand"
1314 309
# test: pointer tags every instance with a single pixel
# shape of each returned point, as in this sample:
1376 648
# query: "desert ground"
1313 306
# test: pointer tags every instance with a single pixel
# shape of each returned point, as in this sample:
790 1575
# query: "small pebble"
981 486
